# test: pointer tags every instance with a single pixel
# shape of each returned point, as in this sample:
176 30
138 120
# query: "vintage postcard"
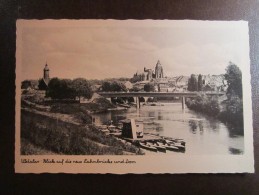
133 96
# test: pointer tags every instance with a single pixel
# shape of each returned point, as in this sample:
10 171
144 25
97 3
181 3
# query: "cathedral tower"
159 70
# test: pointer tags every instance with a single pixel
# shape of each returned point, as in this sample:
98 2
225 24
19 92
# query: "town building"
214 83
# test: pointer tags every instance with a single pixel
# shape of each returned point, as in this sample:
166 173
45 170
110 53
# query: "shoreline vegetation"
229 108
60 128
229 111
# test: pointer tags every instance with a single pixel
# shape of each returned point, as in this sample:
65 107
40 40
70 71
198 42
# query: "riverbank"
59 135
66 128
227 110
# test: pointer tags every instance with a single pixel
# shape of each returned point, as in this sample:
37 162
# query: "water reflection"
235 151
196 125
160 116
235 131
203 134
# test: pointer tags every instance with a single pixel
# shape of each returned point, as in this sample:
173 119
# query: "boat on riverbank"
113 130
103 128
124 105
147 146
160 147
131 130
177 141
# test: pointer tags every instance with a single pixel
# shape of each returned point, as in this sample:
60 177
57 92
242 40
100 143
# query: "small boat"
182 143
113 129
160 147
171 147
124 105
117 134
180 146
172 140
147 146
103 128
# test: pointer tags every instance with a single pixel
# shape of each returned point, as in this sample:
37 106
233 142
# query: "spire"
46 66
158 63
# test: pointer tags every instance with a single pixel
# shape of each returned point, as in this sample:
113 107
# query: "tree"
106 86
116 86
192 83
82 88
26 84
42 85
135 89
60 89
234 80
113 86
203 103
149 87
199 82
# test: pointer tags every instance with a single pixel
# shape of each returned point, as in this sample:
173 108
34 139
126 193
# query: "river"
203 135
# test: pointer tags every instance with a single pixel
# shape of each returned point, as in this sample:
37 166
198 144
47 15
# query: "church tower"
159 70
46 74
44 82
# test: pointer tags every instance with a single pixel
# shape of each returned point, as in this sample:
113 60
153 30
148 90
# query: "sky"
98 49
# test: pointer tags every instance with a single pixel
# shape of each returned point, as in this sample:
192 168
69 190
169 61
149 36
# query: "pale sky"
98 49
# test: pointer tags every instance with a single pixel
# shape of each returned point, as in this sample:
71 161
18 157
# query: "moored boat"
180 146
103 128
160 147
124 105
171 147
147 146
117 134
170 140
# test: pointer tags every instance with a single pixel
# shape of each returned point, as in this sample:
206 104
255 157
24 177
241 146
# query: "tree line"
194 84
79 87
231 109
69 89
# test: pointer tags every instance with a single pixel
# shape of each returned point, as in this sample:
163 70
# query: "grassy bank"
81 112
66 138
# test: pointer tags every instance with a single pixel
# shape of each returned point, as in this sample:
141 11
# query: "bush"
149 87
233 112
204 104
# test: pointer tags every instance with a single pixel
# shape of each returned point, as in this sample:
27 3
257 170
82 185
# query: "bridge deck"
156 94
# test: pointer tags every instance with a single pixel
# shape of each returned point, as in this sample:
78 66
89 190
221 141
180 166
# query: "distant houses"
155 77
214 83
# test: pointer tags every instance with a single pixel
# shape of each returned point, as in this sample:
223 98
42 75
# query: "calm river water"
203 134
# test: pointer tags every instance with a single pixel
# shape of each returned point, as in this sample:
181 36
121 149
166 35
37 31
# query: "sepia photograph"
133 92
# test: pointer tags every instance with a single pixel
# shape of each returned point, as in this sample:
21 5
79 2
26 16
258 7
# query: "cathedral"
150 74
159 70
